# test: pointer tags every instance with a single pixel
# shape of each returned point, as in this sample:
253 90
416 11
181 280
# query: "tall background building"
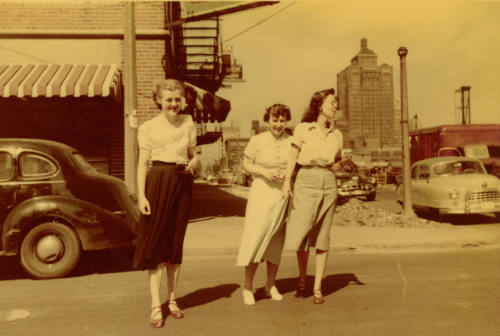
366 97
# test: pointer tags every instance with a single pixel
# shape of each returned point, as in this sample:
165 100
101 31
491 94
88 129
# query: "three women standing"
265 157
164 193
315 144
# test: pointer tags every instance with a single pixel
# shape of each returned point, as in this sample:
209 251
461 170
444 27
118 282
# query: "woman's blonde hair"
170 85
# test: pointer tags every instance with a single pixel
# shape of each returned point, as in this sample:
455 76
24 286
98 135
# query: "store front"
76 104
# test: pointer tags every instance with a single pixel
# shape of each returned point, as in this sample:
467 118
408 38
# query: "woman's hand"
286 190
143 205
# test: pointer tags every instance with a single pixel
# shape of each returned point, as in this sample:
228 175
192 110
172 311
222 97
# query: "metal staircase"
198 54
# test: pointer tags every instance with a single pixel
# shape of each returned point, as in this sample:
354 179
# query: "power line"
21 53
258 23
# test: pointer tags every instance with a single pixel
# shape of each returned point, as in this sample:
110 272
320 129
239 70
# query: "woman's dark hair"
317 99
167 84
277 110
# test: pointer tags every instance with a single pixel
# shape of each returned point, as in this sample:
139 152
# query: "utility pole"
130 96
407 202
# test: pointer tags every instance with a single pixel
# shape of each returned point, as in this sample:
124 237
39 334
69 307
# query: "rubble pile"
356 213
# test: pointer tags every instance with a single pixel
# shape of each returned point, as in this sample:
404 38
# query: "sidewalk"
219 236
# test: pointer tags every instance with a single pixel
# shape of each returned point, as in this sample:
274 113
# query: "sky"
302 49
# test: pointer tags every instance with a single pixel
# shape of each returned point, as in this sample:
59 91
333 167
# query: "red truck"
480 141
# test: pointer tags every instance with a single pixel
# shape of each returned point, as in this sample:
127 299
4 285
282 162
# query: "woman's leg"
154 276
302 258
173 271
321 260
272 270
247 292
250 271
271 290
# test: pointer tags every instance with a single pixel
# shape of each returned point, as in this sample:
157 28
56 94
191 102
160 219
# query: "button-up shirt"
267 151
167 142
316 148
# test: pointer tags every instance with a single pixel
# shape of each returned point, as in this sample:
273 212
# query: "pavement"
218 236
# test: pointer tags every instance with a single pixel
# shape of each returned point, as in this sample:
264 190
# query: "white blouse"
315 147
267 151
167 143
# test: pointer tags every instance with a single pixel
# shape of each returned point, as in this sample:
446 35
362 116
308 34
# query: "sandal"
156 322
176 312
318 297
301 288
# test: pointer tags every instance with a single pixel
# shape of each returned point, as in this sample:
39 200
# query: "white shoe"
273 293
248 298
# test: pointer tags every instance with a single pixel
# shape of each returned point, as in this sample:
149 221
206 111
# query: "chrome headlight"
339 183
453 194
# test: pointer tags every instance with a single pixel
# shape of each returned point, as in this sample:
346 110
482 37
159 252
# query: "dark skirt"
160 235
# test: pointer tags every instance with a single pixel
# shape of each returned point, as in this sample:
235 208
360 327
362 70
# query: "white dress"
259 242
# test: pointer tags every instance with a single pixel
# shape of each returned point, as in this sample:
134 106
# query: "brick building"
69 92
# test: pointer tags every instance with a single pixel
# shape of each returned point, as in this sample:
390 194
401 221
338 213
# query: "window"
423 173
34 165
6 167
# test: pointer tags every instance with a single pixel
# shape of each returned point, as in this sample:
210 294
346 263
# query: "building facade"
366 96
70 89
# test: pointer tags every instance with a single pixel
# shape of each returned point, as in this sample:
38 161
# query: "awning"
59 80
205 105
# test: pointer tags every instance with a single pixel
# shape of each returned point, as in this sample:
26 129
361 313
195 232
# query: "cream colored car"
453 185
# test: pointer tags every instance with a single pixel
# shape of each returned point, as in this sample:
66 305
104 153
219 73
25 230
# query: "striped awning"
59 80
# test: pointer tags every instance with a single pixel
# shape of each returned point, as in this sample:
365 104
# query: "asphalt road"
448 293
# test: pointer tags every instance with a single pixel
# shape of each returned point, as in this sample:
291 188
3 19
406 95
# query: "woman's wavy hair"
314 108
170 85
277 110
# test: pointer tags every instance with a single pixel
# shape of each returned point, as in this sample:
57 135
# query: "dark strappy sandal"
176 313
156 322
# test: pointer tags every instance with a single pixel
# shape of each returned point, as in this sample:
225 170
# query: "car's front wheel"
371 197
50 250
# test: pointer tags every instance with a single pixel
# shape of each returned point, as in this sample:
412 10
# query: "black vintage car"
353 183
53 205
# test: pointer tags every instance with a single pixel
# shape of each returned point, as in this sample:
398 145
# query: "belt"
178 166
315 166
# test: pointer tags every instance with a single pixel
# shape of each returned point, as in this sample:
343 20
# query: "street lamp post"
407 202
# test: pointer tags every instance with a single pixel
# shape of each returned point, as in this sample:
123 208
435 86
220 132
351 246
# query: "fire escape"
198 54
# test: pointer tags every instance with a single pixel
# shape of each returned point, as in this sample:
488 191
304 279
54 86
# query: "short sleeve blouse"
167 142
267 151
315 147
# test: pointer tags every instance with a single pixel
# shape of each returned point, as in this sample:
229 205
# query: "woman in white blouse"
164 193
265 157
315 144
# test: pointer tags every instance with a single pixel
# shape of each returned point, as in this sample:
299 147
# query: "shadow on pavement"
206 295
472 219
105 261
331 284
10 269
213 201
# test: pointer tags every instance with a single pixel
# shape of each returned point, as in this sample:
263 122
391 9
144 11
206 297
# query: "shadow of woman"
206 295
331 283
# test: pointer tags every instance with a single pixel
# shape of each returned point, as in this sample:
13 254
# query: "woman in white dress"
266 157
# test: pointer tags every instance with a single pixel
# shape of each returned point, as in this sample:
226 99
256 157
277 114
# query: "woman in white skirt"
315 144
266 157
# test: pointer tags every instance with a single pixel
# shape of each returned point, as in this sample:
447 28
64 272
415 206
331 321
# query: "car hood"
467 181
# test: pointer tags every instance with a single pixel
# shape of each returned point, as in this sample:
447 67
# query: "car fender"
97 228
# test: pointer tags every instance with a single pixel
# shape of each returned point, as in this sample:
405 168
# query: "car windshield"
81 162
457 168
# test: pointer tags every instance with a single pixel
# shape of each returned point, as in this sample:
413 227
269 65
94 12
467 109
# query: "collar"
314 125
